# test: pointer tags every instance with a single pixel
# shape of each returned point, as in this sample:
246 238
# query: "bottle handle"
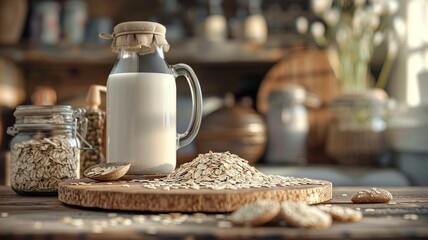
186 71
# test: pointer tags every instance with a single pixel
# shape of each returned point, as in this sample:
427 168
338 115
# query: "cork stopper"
93 99
141 37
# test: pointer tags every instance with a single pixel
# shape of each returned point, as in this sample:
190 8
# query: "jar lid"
42 117
32 114
291 94
55 117
139 36
34 109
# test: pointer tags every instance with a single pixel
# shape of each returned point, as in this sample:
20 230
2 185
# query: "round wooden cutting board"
123 195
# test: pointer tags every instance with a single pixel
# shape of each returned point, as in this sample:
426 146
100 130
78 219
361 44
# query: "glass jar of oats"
45 148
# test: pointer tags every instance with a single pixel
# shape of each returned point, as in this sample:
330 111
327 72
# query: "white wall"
409 80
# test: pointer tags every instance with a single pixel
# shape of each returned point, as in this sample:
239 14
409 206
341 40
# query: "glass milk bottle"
141 100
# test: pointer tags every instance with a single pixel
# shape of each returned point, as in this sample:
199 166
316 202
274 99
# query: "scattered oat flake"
65 219
224 224
4 214
117 220
369 210
392 203
127 222
97 229
38 225
83 183
151 230
344 195
77 222
200 215
199 220
139 218
155 218
412 217
113 222
109 183
125 185
167 221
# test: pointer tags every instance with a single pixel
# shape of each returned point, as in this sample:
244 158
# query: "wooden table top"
47 218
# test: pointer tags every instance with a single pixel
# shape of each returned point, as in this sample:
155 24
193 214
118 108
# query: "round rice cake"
255 214
343 214
373 195
299 214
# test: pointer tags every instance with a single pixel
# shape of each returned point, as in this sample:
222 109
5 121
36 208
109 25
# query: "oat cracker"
374 195
342 214
255 214
299 214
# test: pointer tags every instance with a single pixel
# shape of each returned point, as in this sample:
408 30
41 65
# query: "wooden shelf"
192 52
26 54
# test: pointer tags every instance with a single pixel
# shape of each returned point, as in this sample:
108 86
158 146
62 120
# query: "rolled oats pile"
220 171
38 165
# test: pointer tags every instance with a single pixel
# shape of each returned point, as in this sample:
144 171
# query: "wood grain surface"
125 195
43 218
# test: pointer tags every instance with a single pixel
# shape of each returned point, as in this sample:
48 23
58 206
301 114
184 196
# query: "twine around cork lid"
142 37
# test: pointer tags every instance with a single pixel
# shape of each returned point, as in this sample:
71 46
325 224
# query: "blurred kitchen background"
325 89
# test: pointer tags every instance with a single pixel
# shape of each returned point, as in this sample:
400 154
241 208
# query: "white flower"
399 28
359 3
302 25
378 6
318 30
332 16
320 6
375 21
393 6
378 38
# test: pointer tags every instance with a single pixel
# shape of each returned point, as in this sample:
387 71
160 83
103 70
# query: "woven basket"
354 147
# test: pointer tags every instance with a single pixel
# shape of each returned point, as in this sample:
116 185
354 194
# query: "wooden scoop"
107 171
